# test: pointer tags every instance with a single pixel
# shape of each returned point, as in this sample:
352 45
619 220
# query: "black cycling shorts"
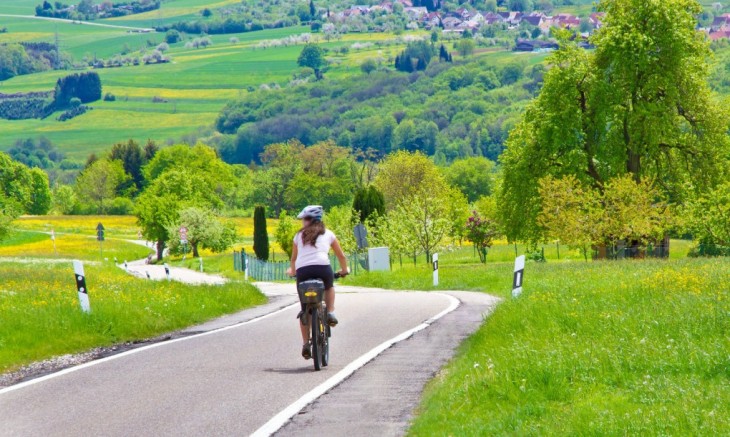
325 273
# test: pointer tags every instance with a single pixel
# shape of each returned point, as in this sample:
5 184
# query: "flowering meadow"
590 348
603 348
40 315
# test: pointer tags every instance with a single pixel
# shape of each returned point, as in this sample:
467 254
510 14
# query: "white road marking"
137 350
276 422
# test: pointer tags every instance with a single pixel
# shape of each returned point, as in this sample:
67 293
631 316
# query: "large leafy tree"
312 56
99 182
180 177
473 176
205 231
639 105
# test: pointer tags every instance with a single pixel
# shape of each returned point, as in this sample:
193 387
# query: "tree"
158 207
368 202
465 47
41 198
205 231
403 174
312 56
621 110
9 211
312 10
481 232
569 213
64 199
260 234
424 221
473 176
132 158
584 217
520 5
282 162
368 66
172 36
99 182
341 220
285 232
708 217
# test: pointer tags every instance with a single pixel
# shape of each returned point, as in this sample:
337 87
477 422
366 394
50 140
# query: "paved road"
233 381
84 23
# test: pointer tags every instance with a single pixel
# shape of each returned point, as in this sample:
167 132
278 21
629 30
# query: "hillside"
182 98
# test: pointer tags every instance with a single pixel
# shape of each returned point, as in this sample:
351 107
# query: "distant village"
474 21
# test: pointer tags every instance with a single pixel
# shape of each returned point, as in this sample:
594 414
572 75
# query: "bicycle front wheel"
316 342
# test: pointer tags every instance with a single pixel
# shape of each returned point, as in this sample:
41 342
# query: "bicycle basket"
311 291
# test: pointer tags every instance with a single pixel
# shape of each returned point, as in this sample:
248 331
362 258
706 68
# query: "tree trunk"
160 249
633 165
195 249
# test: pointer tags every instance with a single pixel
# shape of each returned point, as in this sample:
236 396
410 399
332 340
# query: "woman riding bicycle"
310 260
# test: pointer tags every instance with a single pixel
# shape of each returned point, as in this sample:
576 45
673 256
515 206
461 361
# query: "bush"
121 206
109 97
73 112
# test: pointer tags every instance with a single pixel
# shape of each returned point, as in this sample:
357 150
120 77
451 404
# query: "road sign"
361 236
81 286
435 269
519 276
100 232
183 234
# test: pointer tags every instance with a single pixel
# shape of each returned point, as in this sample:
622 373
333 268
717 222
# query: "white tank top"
308 255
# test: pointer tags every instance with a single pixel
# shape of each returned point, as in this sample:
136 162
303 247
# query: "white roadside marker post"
81 286
519 276
126 267
167 271
245 268
201 264
435 269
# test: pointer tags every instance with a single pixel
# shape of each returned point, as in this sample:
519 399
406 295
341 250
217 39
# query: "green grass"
598 348
41 317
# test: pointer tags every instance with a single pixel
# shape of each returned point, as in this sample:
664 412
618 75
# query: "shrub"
109 97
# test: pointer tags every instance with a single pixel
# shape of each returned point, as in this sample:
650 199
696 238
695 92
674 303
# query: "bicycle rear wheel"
325 339
316 342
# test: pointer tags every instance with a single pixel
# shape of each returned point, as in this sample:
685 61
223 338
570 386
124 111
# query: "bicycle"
311 294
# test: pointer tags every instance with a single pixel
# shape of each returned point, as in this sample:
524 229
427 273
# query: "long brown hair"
311 232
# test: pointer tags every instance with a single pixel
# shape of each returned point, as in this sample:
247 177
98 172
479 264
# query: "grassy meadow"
591 348
39 309
41 318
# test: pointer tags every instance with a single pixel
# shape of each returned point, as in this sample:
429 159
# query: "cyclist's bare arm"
341 257
294 253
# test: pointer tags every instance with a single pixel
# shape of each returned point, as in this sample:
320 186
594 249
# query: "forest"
448 111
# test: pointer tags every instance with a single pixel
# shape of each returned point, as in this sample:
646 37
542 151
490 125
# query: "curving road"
241 374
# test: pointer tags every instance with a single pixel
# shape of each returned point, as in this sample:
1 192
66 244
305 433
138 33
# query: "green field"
597 348
40 312
195 85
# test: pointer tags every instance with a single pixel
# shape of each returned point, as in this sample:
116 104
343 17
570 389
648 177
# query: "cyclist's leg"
329 299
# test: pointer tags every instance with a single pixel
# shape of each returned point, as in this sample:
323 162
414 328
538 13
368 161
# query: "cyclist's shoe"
332 320
307 351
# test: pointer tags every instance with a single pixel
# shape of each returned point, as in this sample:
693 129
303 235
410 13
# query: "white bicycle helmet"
314 212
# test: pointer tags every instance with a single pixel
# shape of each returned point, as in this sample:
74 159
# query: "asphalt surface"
233 381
